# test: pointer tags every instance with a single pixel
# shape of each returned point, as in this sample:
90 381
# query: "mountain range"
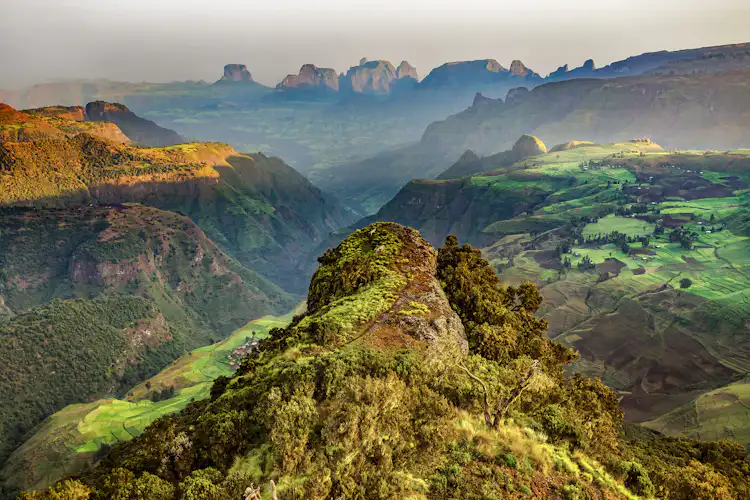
182 318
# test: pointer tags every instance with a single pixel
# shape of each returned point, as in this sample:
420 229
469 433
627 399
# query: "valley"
484 283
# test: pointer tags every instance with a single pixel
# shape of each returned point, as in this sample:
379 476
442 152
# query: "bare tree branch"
487 416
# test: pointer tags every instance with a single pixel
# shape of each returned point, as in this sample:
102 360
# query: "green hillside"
442 385
70 438
97 299
642 255
257 208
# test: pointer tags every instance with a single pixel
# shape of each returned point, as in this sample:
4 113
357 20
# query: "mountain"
702 110
236 73
474 75
378 77
413 373
260 210
141 131
641 255
99 298
53 123
311 77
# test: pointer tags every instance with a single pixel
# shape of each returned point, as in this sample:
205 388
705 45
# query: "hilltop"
442 384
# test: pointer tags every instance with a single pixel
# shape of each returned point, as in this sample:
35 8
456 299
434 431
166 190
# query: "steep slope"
54 122
311 78
18 126
100 298
682 111
143 132
373 393
259 209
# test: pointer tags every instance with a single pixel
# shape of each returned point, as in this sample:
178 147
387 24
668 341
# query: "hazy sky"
164 40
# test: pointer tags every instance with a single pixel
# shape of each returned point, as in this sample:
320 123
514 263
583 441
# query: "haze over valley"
280 270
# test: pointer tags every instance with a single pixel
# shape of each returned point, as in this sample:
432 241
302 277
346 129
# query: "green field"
626 225
634 304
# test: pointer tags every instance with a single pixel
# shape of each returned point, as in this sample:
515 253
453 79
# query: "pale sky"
166 40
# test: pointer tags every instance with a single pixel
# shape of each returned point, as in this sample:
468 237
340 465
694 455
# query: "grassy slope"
69 438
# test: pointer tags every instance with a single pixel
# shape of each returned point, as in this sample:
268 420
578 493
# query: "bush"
636 478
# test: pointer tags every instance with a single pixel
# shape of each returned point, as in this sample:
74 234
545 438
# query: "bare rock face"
372 77
406 70
311 77
519 69
236 73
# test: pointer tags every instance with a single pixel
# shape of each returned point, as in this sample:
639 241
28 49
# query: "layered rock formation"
311 77
378 77
236 73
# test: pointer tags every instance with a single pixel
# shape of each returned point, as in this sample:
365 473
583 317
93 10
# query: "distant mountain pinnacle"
236 73
406 70
311 77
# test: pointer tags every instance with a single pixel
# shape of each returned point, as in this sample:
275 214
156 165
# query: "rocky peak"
236 73
379 288
98 110
589 65
372 77
362 61
406 70
141 131
518 68
311 77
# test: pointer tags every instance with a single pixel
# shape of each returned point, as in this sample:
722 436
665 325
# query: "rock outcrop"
372 77
311 77
526 146
236 73
379 288
517 68
406 70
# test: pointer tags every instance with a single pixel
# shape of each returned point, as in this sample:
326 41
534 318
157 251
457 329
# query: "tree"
686 283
